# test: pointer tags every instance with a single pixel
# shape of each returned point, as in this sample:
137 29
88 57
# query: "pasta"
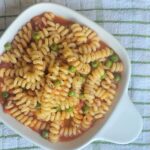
90 57
58 77
23 37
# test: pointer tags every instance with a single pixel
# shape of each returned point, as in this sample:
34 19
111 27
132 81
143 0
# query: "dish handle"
124 125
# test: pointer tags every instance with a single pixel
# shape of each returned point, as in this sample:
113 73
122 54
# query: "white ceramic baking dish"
121 125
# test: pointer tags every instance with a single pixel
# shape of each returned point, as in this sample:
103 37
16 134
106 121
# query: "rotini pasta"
58 77
103 53
24 36
54 131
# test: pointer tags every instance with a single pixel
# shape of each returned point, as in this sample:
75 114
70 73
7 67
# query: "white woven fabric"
129 21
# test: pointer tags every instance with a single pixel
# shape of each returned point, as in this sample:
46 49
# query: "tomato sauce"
62 21
103 45
5 65
37 23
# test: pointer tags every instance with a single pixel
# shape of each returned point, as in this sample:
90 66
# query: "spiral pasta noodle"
54 131
70 131
24 36
73 59
58 77
11 56
103 53
87 121
117 67
78 33
7 72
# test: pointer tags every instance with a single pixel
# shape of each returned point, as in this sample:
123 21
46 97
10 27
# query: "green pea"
72 69
109 63
103 76
38 105
117 77
72 93
114 58
7 46
95 64
5 94
45 134
54 47
81 96
85 109
82 79
70 109
36 36
57 82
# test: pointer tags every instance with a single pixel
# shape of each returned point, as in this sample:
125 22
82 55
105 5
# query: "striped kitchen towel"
129 22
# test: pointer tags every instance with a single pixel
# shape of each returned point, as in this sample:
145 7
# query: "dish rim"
128 66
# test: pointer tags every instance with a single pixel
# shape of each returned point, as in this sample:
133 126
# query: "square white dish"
121 125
